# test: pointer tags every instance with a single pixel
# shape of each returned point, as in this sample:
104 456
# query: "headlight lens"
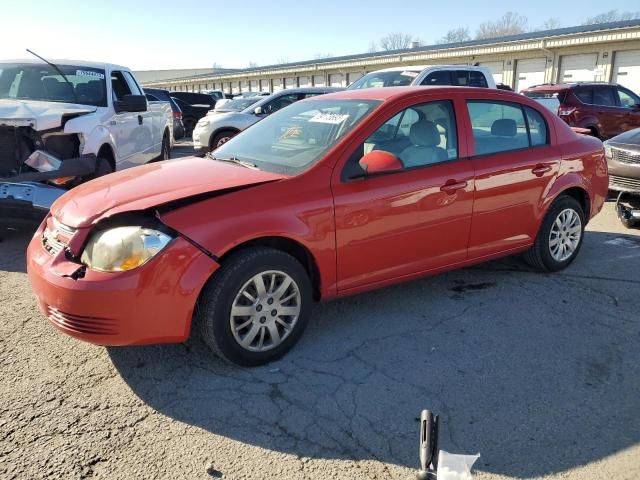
202 123
123 248
607 151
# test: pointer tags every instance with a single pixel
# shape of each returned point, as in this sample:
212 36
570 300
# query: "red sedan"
331 196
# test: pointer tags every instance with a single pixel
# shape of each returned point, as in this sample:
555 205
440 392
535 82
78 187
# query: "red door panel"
402 223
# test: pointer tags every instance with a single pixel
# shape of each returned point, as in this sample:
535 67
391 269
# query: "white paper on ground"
455 467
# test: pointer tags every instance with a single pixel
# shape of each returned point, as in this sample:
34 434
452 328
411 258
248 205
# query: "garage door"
626 69
352 77
496 69
264 86
277 84
304 81
335 80
529 72
578 68
318 80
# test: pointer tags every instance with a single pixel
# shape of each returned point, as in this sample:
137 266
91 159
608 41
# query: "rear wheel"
560 236
189 124
165 152
256 306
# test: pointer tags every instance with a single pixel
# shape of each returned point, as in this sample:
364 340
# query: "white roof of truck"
79 63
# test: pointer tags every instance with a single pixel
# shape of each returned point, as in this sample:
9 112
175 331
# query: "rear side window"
439 77
585 95
501 126
604 96
538 131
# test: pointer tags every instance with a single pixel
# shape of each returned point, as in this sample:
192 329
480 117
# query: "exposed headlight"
123 248
202 123
607 151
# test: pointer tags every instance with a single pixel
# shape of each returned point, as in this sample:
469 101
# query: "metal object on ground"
429 425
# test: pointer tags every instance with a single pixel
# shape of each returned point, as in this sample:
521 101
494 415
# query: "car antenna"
73 90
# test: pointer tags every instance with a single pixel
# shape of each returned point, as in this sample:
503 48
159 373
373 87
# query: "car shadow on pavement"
538 373
13 244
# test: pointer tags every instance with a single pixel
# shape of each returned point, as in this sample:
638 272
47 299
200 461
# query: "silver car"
215 129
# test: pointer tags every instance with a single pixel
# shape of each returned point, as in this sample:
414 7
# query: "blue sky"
156 34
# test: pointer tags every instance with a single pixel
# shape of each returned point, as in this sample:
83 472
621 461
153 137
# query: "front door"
514 163
410 221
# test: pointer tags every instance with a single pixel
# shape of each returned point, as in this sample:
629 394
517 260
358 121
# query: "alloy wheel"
565 235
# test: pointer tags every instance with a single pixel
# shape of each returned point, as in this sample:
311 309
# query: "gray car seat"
424 150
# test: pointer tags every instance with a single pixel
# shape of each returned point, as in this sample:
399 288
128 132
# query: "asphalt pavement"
538 373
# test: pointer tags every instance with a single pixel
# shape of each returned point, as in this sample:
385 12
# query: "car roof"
386 93
59 61
565 86
424 67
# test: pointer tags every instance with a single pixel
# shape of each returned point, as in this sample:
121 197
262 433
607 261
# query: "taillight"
177 114
565 111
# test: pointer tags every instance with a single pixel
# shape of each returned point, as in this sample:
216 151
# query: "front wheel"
560 236
221 138
256 307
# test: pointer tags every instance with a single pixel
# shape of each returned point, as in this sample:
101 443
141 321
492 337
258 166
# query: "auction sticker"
333 118
89 73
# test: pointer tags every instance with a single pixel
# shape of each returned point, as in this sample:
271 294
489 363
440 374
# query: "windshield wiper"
235 160
73 90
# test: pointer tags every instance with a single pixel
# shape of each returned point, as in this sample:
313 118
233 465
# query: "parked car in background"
191 114
193 98
331 196
235 105
64 123
605 109
426 75
216 129
216 94
623 158
159 95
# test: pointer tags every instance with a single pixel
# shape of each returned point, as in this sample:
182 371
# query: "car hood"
152 185
630 138
38 114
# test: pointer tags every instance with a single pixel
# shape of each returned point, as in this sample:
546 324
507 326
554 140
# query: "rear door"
515 160
631 103
410 221
611 115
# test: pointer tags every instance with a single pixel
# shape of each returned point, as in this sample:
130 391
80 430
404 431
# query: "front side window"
420 135
439 77
385 79
497 126
627 98
279 103
119 86
133 85
293 139
29 81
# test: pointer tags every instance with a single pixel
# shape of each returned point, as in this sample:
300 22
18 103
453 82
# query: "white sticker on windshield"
333 118
409 74
89 73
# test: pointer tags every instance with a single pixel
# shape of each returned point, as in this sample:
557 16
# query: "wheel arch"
286 244
220 130
106 152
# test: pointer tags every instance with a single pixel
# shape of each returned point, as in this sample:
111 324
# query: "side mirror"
258 111
379 161
131 103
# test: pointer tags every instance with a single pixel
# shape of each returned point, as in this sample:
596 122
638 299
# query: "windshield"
30 81
238 104
294 138
385 79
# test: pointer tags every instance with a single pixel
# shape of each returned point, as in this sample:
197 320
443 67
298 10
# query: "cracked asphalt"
538 373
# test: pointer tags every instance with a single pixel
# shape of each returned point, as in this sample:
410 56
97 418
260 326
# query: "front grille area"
55 236
79 324
625 156
624 184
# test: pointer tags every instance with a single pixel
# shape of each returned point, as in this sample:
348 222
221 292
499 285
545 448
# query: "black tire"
103 167
539 255
225 135
165 152
213 312
189 124
630 222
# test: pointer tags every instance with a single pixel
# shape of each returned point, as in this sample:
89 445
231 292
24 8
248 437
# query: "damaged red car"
328 197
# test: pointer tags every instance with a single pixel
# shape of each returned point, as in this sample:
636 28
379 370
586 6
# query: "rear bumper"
147 305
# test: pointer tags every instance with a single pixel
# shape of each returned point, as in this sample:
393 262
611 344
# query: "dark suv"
604 108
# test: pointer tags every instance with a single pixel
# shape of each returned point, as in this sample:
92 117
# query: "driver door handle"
452 187
139 119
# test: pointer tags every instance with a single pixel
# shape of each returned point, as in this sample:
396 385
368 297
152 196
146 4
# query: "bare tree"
320 56
373 47
460 34
550 24
282 60
396 41
216 66
612 16
252 64
511 23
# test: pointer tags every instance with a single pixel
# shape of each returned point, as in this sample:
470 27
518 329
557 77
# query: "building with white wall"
605 52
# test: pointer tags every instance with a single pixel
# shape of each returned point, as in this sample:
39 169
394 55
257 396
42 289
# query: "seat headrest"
424 134
92 91
505 127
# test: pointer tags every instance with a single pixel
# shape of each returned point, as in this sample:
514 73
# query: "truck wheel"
256 307
221 138
559 238
630 222
165 152
103 167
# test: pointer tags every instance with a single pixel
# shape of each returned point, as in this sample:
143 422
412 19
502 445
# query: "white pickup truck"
65 122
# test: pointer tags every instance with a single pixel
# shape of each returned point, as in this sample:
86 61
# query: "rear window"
548 98
584 94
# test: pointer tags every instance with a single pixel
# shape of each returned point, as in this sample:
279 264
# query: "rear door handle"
540 170
452 187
